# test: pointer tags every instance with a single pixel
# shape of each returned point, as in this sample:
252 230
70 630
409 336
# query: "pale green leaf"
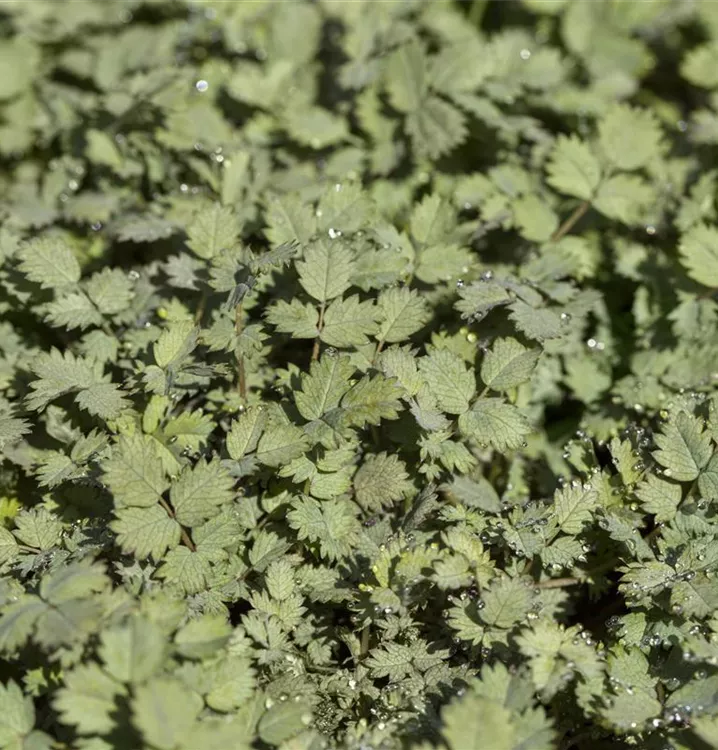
326 269
449 380
508 364
573 169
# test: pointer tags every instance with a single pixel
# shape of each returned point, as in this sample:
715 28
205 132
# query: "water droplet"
460 284
682 126
334 233
201 86
650 229
525 54
487 275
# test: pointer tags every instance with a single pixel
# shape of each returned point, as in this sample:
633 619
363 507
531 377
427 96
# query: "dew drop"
201 86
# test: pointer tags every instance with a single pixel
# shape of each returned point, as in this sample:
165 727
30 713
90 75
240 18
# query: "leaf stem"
568 225
365 634
183 532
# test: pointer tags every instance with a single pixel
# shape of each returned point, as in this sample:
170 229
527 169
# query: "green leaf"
133 652
324 386
213 230
536 220
624 197
280 444
684 448
508 364
574 507
38 528
199 492
300 319
87 700
406 77
432 220
134 472
402 313
244 434
282 721
539 324
331 524
145 532
573 169
348 322
343 209
11 428
204 636
280 580
164 710
187 570
50 263
381 481
629 137
175 344
372 399
110 290
698 250
326 269
476 723
493 422
450 382
700 65
288 219
17 715
506 602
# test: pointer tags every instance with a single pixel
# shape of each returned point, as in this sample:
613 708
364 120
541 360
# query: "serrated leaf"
573 169
629 137
402 313
326 269
574 507
508 364
280 444
684 448
380 481
699 254
133 652
199 492
406 77
213 230
450 382
289 218
134 472
164 711
87 699
491 421
244 434
50 263
17 715
300 319
348 322
324 386
145 532
475 723
175 344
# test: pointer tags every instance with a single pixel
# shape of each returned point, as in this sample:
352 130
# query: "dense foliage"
358 370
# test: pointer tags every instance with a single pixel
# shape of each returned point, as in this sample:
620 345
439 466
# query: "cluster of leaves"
358 375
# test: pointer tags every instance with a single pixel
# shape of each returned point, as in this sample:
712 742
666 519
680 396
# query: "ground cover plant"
358 370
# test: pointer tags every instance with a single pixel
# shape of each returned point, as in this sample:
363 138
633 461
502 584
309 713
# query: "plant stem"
241 374
365 633
567 226
476 12
317 340
187 540
557 583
